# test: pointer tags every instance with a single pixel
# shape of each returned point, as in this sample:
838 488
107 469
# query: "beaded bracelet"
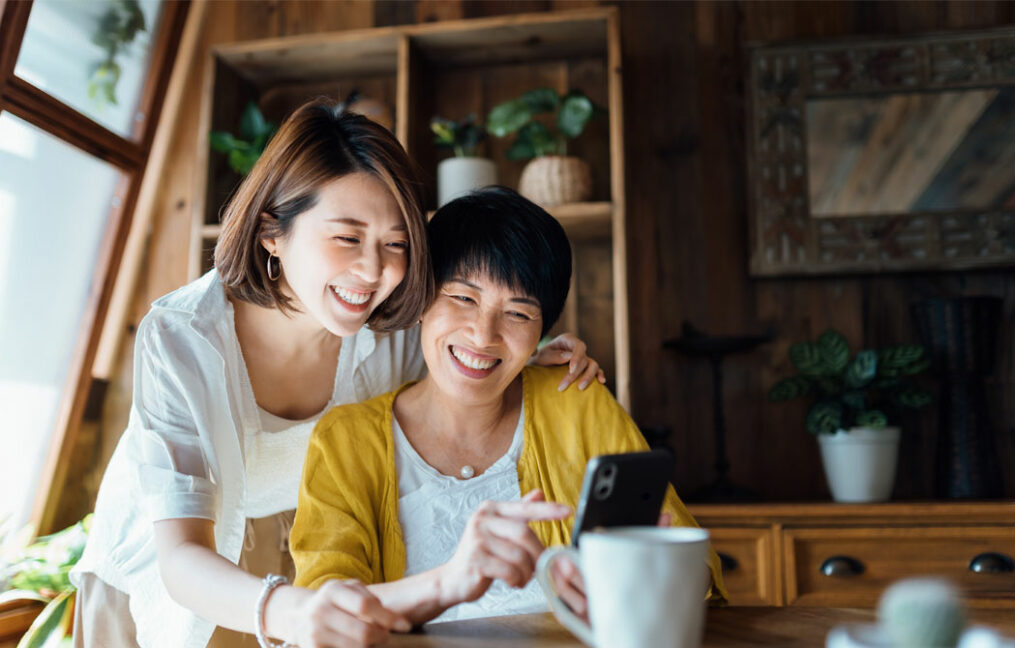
271 581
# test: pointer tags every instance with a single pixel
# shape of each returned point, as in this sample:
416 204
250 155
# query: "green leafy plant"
867 389
572 112
244 151
39 572
117 29
460 136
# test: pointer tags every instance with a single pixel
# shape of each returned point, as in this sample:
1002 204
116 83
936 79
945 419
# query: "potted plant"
243 151
464 171
39 572
552 177
856 397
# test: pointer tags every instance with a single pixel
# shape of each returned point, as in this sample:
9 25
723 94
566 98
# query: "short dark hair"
318 143
497 232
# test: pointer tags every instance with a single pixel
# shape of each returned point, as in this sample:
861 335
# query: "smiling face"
345 255
478 335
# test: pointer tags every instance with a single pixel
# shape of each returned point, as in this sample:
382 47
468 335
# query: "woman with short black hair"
419 492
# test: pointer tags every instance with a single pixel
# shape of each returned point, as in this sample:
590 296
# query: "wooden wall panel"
687 228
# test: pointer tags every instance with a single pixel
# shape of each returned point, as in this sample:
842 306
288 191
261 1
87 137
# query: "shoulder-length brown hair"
316 144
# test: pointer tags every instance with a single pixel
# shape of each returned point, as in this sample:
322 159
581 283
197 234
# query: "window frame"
130 156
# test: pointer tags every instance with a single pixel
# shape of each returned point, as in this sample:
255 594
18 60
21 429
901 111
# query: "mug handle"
560 609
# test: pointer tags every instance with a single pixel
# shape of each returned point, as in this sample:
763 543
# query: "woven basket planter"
556 179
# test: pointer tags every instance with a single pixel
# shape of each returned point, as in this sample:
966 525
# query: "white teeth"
354 298
472 363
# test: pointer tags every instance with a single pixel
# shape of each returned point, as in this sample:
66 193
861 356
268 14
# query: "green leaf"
897 357
243 161
806 357
862 369
872 419
575 112
919 366
508 117
914 398
521 150
541 100
824 417
52 625
223 142
252 122
855 399
834 350
789 388
534 138
829 385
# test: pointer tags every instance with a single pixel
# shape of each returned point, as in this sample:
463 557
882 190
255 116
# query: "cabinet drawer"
749 568
843 567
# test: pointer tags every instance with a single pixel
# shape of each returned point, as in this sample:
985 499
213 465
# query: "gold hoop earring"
278 268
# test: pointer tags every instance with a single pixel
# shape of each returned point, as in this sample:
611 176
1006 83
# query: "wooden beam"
13 22
36 107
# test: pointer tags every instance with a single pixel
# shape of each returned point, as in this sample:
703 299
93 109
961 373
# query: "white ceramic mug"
645 586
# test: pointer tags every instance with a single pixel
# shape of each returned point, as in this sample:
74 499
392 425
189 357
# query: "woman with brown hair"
322 272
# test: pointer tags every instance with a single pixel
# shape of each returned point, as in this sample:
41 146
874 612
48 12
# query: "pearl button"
467 472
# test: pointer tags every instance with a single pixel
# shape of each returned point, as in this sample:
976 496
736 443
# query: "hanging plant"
117 29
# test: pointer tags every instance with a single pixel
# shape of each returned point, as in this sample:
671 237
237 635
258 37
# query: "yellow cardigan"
347 517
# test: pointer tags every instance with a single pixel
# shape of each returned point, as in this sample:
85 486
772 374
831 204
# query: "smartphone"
622 490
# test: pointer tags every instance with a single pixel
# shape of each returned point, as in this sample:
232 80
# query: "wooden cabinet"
845 555
453 69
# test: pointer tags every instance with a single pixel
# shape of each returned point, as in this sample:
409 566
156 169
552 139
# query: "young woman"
322 271
419 492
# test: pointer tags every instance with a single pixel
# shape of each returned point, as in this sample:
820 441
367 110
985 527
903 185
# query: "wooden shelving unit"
453 69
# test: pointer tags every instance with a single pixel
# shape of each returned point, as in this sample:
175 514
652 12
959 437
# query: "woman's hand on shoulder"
567 348
339 613
497 543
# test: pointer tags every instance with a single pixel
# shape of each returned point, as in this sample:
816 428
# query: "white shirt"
433 510
192 421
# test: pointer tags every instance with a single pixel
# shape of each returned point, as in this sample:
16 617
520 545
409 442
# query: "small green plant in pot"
244 149
39 572
552 177
856 399
465 171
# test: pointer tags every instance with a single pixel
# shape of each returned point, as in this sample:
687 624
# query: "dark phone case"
639 481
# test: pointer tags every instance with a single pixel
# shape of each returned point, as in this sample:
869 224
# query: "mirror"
887 155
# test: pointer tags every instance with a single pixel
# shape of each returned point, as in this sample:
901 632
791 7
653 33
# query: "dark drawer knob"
728 562
992 563
841 566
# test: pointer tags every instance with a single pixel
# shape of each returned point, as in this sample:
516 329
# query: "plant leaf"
507 117
52 624
222 141
521 150
834 350
824 417
252 122
541 100
575 113
919 366
897 357
855 399
914 398
806 357
862 369
872 419
789 388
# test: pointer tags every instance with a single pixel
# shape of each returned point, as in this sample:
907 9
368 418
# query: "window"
81 86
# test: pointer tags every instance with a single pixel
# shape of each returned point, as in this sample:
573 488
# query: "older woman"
418 492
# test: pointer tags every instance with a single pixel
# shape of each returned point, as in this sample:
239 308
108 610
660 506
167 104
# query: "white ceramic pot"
458 176
860 463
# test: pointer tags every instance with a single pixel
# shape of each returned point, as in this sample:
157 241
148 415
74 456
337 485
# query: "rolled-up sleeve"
166 446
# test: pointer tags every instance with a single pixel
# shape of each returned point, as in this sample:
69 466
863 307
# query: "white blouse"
193 424
433 510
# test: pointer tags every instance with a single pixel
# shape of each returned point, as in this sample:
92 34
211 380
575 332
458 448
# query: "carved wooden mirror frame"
784 238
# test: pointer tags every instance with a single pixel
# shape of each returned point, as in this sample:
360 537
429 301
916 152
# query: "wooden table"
788 627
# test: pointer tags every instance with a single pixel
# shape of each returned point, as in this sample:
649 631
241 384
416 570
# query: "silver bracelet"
271 581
